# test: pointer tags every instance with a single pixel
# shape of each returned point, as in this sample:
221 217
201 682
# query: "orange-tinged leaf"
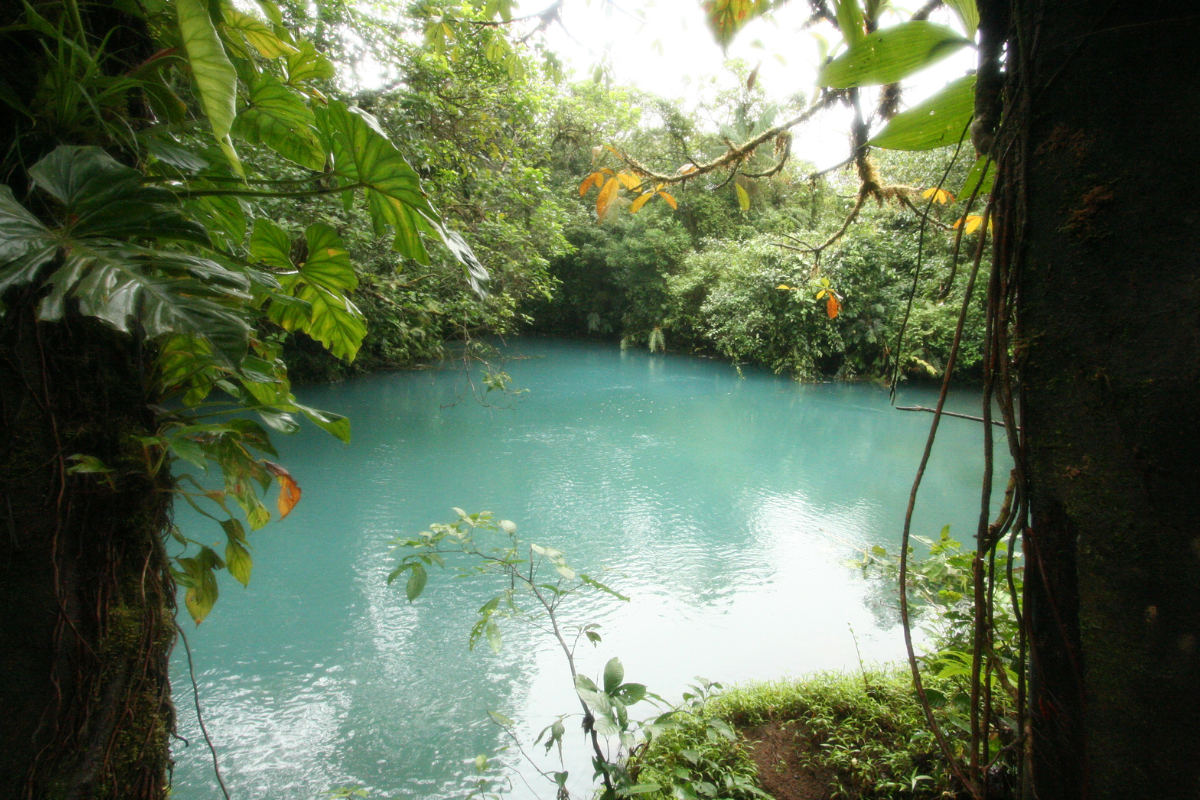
832 306
607 171
641 201
595 177
612 150
629 181
670 201
289 490
607 195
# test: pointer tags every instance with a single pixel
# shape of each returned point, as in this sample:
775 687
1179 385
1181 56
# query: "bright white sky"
666 54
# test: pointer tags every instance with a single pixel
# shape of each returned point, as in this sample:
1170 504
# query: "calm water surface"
726 507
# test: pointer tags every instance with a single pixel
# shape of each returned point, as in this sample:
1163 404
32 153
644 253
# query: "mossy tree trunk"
1109 348
87 622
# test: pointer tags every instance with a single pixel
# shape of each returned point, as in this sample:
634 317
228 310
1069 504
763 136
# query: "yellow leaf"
608 171
612 150
641 201
821 293
670 200
629 181
595 177
973 222
607 195
784 286
743 197
832 306
939 195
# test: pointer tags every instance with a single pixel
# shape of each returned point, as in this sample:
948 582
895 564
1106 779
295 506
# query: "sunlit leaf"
891 54
307 65
967 13
939 121
743 197
258 33
784 287
216 79
940 196
850 20
630 182
670 200
727 17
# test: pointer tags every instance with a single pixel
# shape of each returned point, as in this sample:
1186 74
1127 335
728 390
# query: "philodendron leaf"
937 122
215 76
165 292
366 158
891 54
278 117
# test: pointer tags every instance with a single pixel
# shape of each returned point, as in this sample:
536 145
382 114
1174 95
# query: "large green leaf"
364 156
321 283
307 65
102 197
850 20
937 122
328 263
891 54
120 282
215 76
278 117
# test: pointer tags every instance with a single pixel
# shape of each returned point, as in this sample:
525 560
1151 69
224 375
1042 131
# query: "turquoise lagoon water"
725 506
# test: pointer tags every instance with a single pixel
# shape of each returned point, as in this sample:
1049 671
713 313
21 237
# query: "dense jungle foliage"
503 144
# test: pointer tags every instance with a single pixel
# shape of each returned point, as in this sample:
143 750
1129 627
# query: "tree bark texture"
1107 101
87 622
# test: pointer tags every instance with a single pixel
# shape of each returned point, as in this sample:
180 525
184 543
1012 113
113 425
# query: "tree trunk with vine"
1100 175
88 602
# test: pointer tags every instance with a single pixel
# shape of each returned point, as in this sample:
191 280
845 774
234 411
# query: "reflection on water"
725 508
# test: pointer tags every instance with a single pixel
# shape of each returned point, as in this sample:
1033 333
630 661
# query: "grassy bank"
831 735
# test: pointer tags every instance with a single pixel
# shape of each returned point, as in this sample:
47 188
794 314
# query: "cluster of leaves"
175 250
941 586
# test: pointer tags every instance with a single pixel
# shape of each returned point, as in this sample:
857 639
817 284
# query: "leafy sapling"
535 581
